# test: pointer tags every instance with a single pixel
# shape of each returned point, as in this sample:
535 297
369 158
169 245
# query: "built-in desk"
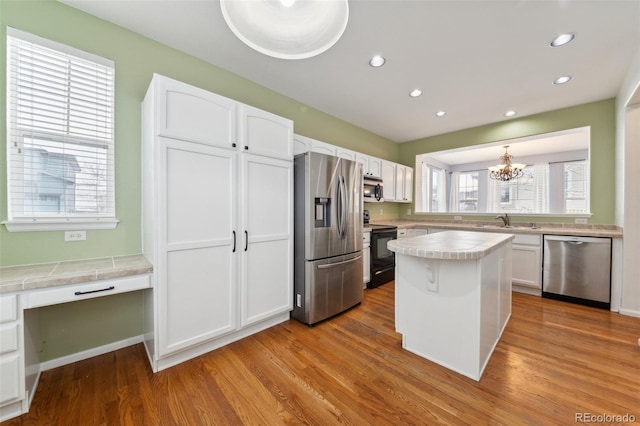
23 288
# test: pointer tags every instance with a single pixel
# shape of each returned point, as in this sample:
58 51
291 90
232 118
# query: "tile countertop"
611 231
43 275
450 245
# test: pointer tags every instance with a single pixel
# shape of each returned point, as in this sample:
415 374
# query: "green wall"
599 115
136 59
73 327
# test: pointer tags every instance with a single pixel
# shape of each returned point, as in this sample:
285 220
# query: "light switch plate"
581 221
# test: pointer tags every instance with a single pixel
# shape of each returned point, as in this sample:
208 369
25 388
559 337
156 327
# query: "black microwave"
372 189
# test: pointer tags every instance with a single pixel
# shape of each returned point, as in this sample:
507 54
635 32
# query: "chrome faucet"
506 220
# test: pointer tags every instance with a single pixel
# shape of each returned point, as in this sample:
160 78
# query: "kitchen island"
453 296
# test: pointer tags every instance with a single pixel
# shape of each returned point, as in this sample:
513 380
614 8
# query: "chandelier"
506 170
287 29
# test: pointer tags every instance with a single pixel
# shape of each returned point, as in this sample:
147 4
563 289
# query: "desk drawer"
8 308
8 338
71 293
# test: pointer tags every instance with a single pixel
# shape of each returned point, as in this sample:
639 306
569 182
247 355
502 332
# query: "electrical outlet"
457 218
75 235
408 212
381 211
581 220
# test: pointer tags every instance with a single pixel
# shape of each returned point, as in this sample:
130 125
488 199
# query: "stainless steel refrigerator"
327 236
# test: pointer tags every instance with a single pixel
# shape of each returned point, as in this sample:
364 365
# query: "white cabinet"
267 251
187 113
527 264
347 154
12 385
375 167
196 235
398 182
302 144
371 166
366 258
217 227
389 180
404 183
263 133
323 147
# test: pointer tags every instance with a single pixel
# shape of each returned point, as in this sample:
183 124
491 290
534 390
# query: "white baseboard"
630 312
79 356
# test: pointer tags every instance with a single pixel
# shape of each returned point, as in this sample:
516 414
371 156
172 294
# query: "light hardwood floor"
554 362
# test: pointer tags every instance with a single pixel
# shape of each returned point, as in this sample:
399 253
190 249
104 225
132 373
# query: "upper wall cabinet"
398 182
263 133
404 183
302 144
371 166
389 180
191 114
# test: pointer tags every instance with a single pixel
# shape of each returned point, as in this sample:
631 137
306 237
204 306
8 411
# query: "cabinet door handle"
246 147
233 145
246 240
234 242
80 293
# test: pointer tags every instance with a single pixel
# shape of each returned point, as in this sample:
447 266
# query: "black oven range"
383 261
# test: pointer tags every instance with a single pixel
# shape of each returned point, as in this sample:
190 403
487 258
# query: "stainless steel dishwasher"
577 269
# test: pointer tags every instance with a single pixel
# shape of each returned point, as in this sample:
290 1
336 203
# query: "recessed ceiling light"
441 113
510 113
415 93
562 80
562 39
377 61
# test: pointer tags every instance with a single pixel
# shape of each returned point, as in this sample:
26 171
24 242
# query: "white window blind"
60 132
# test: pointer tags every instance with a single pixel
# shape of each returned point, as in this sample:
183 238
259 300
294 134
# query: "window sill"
30 225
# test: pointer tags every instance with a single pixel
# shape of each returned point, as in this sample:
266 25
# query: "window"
432 191
60 136
556 179
576 184
468 192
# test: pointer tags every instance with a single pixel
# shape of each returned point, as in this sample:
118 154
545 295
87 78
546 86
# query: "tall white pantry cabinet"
217 220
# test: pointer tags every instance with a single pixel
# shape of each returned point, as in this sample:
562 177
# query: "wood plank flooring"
554 361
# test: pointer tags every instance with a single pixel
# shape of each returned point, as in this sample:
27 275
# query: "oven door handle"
383 270
330 265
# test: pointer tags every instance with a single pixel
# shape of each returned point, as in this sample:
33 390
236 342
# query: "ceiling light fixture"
506 170
562 80
441 113
562 39
510 113
287 29
415 93
377 61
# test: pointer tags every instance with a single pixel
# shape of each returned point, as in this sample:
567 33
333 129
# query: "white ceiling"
473 59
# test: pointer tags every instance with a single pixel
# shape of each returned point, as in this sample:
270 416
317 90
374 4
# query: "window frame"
16 138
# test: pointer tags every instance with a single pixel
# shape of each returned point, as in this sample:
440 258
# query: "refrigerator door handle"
341 206
343 194
331 265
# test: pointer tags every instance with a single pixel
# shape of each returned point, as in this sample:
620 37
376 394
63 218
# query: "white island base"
453 296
